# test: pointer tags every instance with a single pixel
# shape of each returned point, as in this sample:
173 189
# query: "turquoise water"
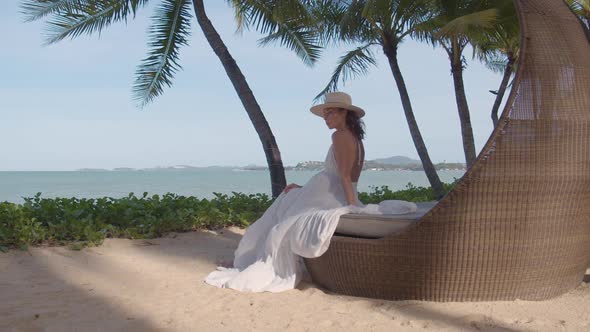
201 183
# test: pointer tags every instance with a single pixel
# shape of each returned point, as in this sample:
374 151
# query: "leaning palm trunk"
462 106
437 187
269 144
503 85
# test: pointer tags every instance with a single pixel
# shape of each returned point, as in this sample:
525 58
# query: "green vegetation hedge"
87 222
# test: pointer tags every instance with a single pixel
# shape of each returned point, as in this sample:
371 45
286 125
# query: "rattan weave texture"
517 225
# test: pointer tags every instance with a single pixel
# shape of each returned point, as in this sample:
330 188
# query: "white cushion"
376 226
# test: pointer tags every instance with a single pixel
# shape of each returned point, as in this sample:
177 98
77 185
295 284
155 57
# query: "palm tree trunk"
390 51
269 144
462 107
507 73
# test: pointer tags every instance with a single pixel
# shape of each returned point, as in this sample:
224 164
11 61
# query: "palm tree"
499 50
582 9
453 25
374 23
169 31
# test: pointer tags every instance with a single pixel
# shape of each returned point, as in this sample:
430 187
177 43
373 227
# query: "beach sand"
142 285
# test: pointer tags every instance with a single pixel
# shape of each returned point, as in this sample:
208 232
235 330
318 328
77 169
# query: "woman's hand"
291 186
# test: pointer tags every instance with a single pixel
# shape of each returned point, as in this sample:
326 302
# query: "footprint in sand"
523 321
478 321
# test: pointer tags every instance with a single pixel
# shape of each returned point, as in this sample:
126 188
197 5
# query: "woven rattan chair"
517 225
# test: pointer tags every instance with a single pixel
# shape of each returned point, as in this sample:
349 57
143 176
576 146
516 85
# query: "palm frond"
288 11
580 6
426 31
330 17
582 9
299 40
291 23
38 9
497 47
470 23
267 16
255 13
169 31
356 27
379 12
351 64
410 14
86 17
458 20
496 62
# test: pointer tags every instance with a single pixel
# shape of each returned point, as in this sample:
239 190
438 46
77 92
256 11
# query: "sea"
202 183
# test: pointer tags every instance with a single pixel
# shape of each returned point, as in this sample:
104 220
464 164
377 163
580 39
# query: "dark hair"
355 124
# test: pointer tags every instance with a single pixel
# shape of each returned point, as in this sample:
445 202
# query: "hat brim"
319 109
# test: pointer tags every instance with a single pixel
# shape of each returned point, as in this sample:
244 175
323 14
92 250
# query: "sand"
143 285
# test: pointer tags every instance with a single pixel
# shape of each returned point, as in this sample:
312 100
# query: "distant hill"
171 168
396 160
382 164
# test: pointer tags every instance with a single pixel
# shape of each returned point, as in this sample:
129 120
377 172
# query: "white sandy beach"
157 284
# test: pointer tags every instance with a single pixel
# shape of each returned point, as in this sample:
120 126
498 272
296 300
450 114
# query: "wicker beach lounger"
517 225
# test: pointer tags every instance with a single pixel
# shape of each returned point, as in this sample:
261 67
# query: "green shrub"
410 193
87 222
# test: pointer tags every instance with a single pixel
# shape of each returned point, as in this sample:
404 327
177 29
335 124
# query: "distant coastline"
368 166
396 163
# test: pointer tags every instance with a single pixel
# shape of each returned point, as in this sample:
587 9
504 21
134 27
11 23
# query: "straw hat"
337 99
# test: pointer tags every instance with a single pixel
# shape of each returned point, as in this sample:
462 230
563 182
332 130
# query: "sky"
69 105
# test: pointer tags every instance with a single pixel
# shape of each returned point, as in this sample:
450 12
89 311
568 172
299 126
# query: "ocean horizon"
202 183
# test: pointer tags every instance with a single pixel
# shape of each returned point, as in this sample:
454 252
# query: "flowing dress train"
298 224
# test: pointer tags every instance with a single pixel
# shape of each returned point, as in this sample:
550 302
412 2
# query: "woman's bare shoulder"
342 138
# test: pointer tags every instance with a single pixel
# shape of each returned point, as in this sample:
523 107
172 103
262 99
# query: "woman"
301 221
340 114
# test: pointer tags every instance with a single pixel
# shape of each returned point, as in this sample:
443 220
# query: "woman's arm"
291 186
344 160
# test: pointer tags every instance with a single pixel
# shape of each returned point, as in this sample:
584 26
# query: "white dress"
298 224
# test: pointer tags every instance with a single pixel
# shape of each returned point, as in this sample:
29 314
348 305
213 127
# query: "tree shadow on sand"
415 313
220 245
422 312
114 286
36 298
56 288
